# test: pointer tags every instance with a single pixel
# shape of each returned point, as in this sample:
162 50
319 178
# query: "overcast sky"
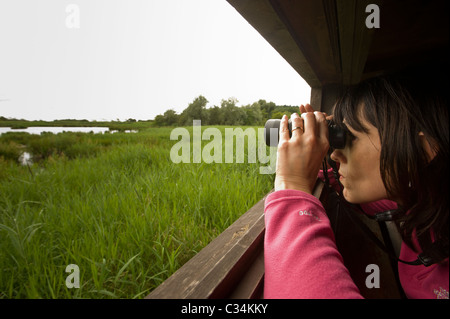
133 59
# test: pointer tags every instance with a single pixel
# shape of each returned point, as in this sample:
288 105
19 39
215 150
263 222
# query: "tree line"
228 113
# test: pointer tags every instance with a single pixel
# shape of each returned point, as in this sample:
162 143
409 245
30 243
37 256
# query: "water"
55 129
26 158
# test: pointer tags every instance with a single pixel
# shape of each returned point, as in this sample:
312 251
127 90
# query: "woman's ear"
428 147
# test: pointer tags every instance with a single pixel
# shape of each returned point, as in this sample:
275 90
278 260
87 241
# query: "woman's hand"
299 158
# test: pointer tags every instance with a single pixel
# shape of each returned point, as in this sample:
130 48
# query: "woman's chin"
349 198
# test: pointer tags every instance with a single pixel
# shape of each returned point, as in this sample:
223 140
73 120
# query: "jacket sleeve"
300 254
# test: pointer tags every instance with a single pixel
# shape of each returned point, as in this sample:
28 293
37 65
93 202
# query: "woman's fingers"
297 125
315 124
305 108
302 109
309 121
284 129
308 108
322 128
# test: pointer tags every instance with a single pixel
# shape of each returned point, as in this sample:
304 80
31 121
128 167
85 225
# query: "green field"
113 204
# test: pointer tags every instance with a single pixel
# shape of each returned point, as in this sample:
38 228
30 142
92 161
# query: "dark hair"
400 106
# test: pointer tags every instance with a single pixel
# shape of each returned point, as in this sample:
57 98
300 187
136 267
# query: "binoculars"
336 135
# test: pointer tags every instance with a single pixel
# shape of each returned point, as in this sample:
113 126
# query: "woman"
397 151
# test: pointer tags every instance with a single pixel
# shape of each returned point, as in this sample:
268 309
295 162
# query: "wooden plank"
354 38
308 23
323 98
316 98
251 286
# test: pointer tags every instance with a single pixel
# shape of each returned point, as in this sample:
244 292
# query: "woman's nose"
337 156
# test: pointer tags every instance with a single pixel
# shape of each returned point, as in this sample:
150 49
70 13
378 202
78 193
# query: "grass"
113 204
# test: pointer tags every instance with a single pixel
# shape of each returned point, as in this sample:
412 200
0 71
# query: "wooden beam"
354 38
323 98
313 26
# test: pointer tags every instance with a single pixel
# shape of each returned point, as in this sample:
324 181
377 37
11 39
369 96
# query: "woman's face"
360 166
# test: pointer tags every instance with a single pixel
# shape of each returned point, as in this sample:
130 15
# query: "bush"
10 150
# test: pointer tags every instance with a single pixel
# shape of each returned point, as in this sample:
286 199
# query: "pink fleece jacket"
302 261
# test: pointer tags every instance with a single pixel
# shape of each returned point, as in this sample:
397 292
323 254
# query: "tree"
253 114
232 115
215 116
266 108
170 117
195 111
227 114
159 120
279 114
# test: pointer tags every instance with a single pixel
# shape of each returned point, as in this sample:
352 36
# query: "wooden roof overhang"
328 43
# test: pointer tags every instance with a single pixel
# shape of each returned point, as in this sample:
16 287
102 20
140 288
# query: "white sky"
134 59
